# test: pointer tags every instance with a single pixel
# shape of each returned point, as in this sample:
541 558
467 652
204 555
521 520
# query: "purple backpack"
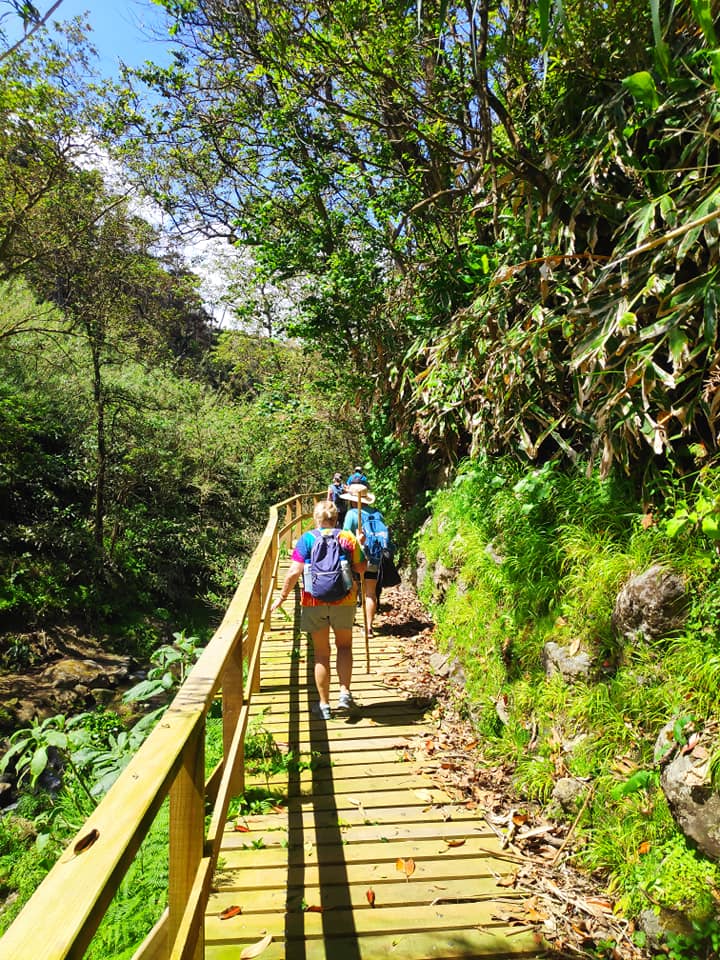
327 573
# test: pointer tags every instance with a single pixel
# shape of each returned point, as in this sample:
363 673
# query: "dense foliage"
140 447
539 557
473 228
511 210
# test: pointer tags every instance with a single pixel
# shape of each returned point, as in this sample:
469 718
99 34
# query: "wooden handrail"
62 916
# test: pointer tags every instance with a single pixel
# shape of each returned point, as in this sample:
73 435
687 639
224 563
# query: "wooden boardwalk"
360 821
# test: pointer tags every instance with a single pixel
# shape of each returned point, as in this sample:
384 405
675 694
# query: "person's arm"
291 578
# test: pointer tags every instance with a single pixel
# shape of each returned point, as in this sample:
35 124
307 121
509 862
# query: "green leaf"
543 7
679 729
678 342
38 763
640 780
711 526
702 11
710 316
56 738
642 87
677 524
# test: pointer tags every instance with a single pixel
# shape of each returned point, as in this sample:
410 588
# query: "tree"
465 185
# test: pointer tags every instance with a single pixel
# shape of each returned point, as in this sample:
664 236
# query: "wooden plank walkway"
303 873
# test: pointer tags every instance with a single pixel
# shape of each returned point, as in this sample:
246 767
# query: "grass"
542 557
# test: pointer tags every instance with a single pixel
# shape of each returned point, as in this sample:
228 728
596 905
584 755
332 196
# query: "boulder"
693 802
443 665
651 604
421 570
557 659
658 924
442 578
568 792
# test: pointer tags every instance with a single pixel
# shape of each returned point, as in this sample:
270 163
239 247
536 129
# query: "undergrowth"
538 558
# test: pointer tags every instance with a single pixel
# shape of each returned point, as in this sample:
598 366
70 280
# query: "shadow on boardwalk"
366 858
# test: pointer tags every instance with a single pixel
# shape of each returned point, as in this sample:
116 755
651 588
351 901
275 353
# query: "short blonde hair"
325 514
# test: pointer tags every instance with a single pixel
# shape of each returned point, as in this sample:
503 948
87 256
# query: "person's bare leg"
321 650
370 600
344 658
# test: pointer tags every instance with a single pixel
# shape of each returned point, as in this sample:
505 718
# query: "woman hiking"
318 615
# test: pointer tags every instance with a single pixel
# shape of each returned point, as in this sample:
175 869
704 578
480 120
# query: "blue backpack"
377 536
327 574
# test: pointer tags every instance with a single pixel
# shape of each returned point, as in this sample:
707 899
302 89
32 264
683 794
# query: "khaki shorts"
339 616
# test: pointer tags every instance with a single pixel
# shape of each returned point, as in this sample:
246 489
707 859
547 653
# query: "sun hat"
359 491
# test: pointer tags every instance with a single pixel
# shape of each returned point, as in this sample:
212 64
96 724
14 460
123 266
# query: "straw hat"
359 491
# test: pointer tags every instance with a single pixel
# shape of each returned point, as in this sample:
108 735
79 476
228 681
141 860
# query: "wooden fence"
67 908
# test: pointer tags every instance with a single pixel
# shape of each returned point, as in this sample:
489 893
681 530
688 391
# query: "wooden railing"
62 916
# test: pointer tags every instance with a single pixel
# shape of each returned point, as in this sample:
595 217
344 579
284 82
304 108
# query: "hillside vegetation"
527 558
477 250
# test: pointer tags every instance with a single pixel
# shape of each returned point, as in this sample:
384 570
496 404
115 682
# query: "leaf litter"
563 906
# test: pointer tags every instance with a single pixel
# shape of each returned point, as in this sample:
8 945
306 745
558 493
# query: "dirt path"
570 909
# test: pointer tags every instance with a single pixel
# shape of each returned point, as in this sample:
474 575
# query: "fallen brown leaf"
601 903
406 866
232 911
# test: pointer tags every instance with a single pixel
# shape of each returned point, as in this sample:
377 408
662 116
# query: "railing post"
232 701
297 526
253 621
187 832
287 535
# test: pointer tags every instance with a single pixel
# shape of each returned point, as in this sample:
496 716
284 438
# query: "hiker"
357 476
375 537
318 614
334 494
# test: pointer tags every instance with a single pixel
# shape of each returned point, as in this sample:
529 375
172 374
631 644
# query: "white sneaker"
346 702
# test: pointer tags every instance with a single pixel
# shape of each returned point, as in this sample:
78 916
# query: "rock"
25 712
651 605
421 570
442 578
557 659
69 672
440 664
666 745
493 554
693 802
656 926
570 745
103 696
567 792
457 674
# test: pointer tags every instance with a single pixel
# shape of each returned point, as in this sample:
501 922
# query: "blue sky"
121 29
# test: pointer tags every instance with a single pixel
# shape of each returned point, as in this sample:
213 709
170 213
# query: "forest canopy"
509 212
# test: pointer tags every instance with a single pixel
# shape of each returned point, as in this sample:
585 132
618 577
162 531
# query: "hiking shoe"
322 711
346 702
